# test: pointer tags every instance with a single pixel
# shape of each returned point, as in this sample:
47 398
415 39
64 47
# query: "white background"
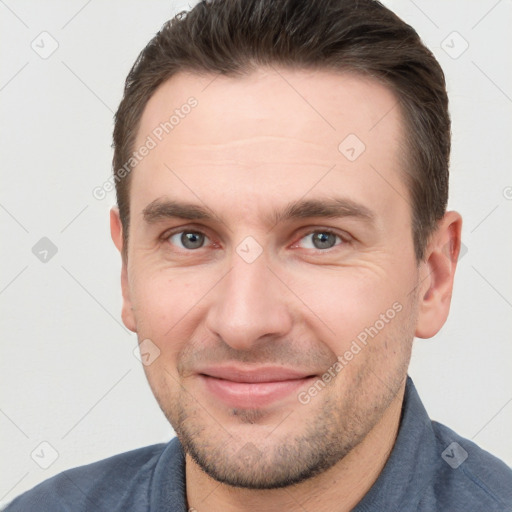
68 373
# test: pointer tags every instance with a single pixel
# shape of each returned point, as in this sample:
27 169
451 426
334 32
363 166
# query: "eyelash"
344 239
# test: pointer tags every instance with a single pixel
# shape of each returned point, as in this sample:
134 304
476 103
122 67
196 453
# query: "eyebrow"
337 207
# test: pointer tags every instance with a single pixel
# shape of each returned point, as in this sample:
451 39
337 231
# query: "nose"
249 305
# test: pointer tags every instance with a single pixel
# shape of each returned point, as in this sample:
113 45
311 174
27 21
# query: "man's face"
255 303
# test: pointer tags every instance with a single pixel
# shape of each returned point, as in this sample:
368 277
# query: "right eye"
188 240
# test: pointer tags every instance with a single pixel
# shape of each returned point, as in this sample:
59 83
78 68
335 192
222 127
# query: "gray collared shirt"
430 469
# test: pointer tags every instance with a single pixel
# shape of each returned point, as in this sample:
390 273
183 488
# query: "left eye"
188 239
320 240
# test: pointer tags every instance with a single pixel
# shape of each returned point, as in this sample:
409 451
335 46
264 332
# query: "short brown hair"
233 37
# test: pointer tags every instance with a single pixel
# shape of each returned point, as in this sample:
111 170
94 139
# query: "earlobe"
116 232
437 275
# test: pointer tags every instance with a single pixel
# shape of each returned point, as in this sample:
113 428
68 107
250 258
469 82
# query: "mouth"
252 388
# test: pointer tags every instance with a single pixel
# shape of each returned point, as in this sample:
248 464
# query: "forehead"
273 127
271 101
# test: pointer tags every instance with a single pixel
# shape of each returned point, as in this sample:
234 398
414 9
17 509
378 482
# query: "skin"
252 145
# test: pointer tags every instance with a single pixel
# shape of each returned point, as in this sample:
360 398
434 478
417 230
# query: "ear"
437 272
116 232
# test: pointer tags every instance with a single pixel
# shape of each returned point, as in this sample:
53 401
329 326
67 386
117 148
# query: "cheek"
171 305
166 308
345 303
165 303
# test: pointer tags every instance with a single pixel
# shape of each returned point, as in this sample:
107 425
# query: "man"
282 179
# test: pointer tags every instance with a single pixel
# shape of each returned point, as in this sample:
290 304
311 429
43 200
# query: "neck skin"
339 488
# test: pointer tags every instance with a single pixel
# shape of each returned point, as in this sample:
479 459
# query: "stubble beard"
277 460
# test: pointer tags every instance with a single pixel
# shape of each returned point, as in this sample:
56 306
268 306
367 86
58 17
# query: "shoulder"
102 485
468 477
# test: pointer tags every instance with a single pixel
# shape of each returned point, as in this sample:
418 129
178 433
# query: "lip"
252 387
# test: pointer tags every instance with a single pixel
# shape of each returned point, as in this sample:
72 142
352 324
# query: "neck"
339 488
